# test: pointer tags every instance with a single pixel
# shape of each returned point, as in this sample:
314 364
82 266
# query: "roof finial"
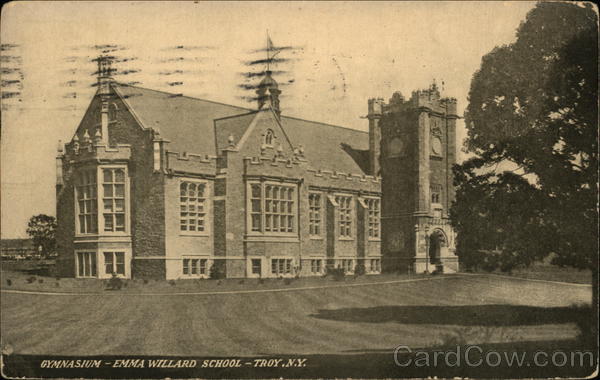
270 47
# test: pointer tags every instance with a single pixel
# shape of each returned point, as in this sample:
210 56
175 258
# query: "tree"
42 228
533 108
531 186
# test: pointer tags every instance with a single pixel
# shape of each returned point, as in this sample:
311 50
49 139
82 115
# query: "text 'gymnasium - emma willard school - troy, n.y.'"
156 185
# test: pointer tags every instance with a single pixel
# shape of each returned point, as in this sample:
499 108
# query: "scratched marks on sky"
183 68
279 60
12 73
78 74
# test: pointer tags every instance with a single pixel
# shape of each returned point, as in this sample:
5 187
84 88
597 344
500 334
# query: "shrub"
115 283
217 270
41 280
338 274
31 279
8 282
359 270
145 281
241 281
261 281
172 282
219 282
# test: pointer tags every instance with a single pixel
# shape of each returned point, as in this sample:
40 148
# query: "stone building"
159 185
414 158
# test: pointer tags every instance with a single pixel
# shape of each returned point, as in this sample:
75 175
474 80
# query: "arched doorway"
437 242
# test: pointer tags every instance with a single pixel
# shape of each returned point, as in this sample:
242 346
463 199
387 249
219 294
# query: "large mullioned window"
113 199
86 264
114 262
272 208
192 207
345 215
280 267
314 214
373 215
87 203
195 267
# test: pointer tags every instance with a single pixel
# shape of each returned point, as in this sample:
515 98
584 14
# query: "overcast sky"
342 54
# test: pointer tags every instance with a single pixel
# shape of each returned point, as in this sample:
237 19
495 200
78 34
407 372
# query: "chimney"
374 116
104 80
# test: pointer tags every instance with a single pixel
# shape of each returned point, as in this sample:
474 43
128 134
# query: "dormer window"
112 112
269 136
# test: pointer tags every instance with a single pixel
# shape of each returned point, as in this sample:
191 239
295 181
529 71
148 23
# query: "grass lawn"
554 273
420 312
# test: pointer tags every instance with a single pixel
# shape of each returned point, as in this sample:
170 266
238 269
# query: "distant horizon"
337 55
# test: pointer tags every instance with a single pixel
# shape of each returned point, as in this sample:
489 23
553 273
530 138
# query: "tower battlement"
412 147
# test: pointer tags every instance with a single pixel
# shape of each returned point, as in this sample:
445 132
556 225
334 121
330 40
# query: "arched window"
112 112
269 137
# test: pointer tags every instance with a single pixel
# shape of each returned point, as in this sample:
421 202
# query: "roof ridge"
238 115
183 96
250 110
327 124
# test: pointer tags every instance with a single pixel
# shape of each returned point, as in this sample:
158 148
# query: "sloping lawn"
422 312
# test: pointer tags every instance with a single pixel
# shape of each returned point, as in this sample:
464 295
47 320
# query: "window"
376 265
345 216
112 112
195 267
316 266
279 267
373 216
256 207
114 262
314 214
272 208
113 186
347 265
269 135
86 264
435 193
192 206
256 266
87 202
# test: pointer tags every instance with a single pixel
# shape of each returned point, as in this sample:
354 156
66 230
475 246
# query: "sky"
337 56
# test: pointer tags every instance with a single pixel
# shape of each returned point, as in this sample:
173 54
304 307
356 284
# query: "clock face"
396 147
436 146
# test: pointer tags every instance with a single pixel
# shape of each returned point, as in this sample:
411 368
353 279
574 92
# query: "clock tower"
416 148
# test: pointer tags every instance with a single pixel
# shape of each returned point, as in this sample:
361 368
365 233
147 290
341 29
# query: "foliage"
338 273
42 230
115 283
359 270
217 270
530 187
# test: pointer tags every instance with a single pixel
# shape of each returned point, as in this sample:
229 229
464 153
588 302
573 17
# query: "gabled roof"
329 146
190 124
186 122
234 126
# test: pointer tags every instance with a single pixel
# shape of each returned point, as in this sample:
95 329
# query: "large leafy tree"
530 187
42 228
